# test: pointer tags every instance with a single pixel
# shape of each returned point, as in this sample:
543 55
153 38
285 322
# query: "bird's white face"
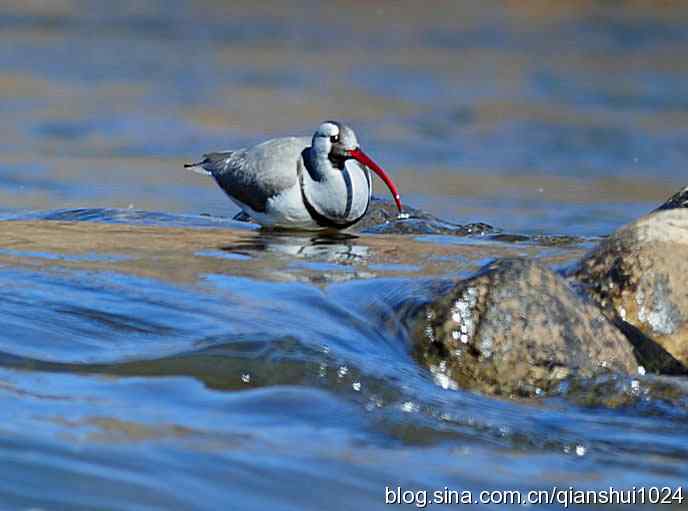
332 137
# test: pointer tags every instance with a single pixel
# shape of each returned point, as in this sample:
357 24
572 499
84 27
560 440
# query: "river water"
156 355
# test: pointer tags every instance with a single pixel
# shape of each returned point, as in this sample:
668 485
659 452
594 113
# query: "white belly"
285 210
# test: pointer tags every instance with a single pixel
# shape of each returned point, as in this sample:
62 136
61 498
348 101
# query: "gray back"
255 174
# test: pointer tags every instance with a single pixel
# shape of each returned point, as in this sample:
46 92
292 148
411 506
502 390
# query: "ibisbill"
299 183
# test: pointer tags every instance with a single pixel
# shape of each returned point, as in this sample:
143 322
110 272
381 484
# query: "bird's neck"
319 165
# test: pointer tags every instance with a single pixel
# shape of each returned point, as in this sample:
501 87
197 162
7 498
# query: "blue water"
128 392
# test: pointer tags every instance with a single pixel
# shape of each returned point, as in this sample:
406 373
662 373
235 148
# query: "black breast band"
321 219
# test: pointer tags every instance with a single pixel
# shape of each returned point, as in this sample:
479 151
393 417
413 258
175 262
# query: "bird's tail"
198 168
211 164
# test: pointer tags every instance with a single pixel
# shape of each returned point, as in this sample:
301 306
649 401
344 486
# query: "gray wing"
253 175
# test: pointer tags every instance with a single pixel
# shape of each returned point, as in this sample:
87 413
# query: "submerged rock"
639 278
383 217
651 392
543 240
516 328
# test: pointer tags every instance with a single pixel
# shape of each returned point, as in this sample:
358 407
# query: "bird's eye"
334 138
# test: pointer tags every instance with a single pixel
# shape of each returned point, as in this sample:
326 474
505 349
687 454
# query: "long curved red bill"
363 158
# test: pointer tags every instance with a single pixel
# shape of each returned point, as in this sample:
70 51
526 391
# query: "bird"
299 183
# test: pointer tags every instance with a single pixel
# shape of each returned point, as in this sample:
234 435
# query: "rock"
651 393
543 240
382 217
639 278
515 328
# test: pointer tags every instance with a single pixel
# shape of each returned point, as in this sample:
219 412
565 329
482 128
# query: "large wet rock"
639 278
516 328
